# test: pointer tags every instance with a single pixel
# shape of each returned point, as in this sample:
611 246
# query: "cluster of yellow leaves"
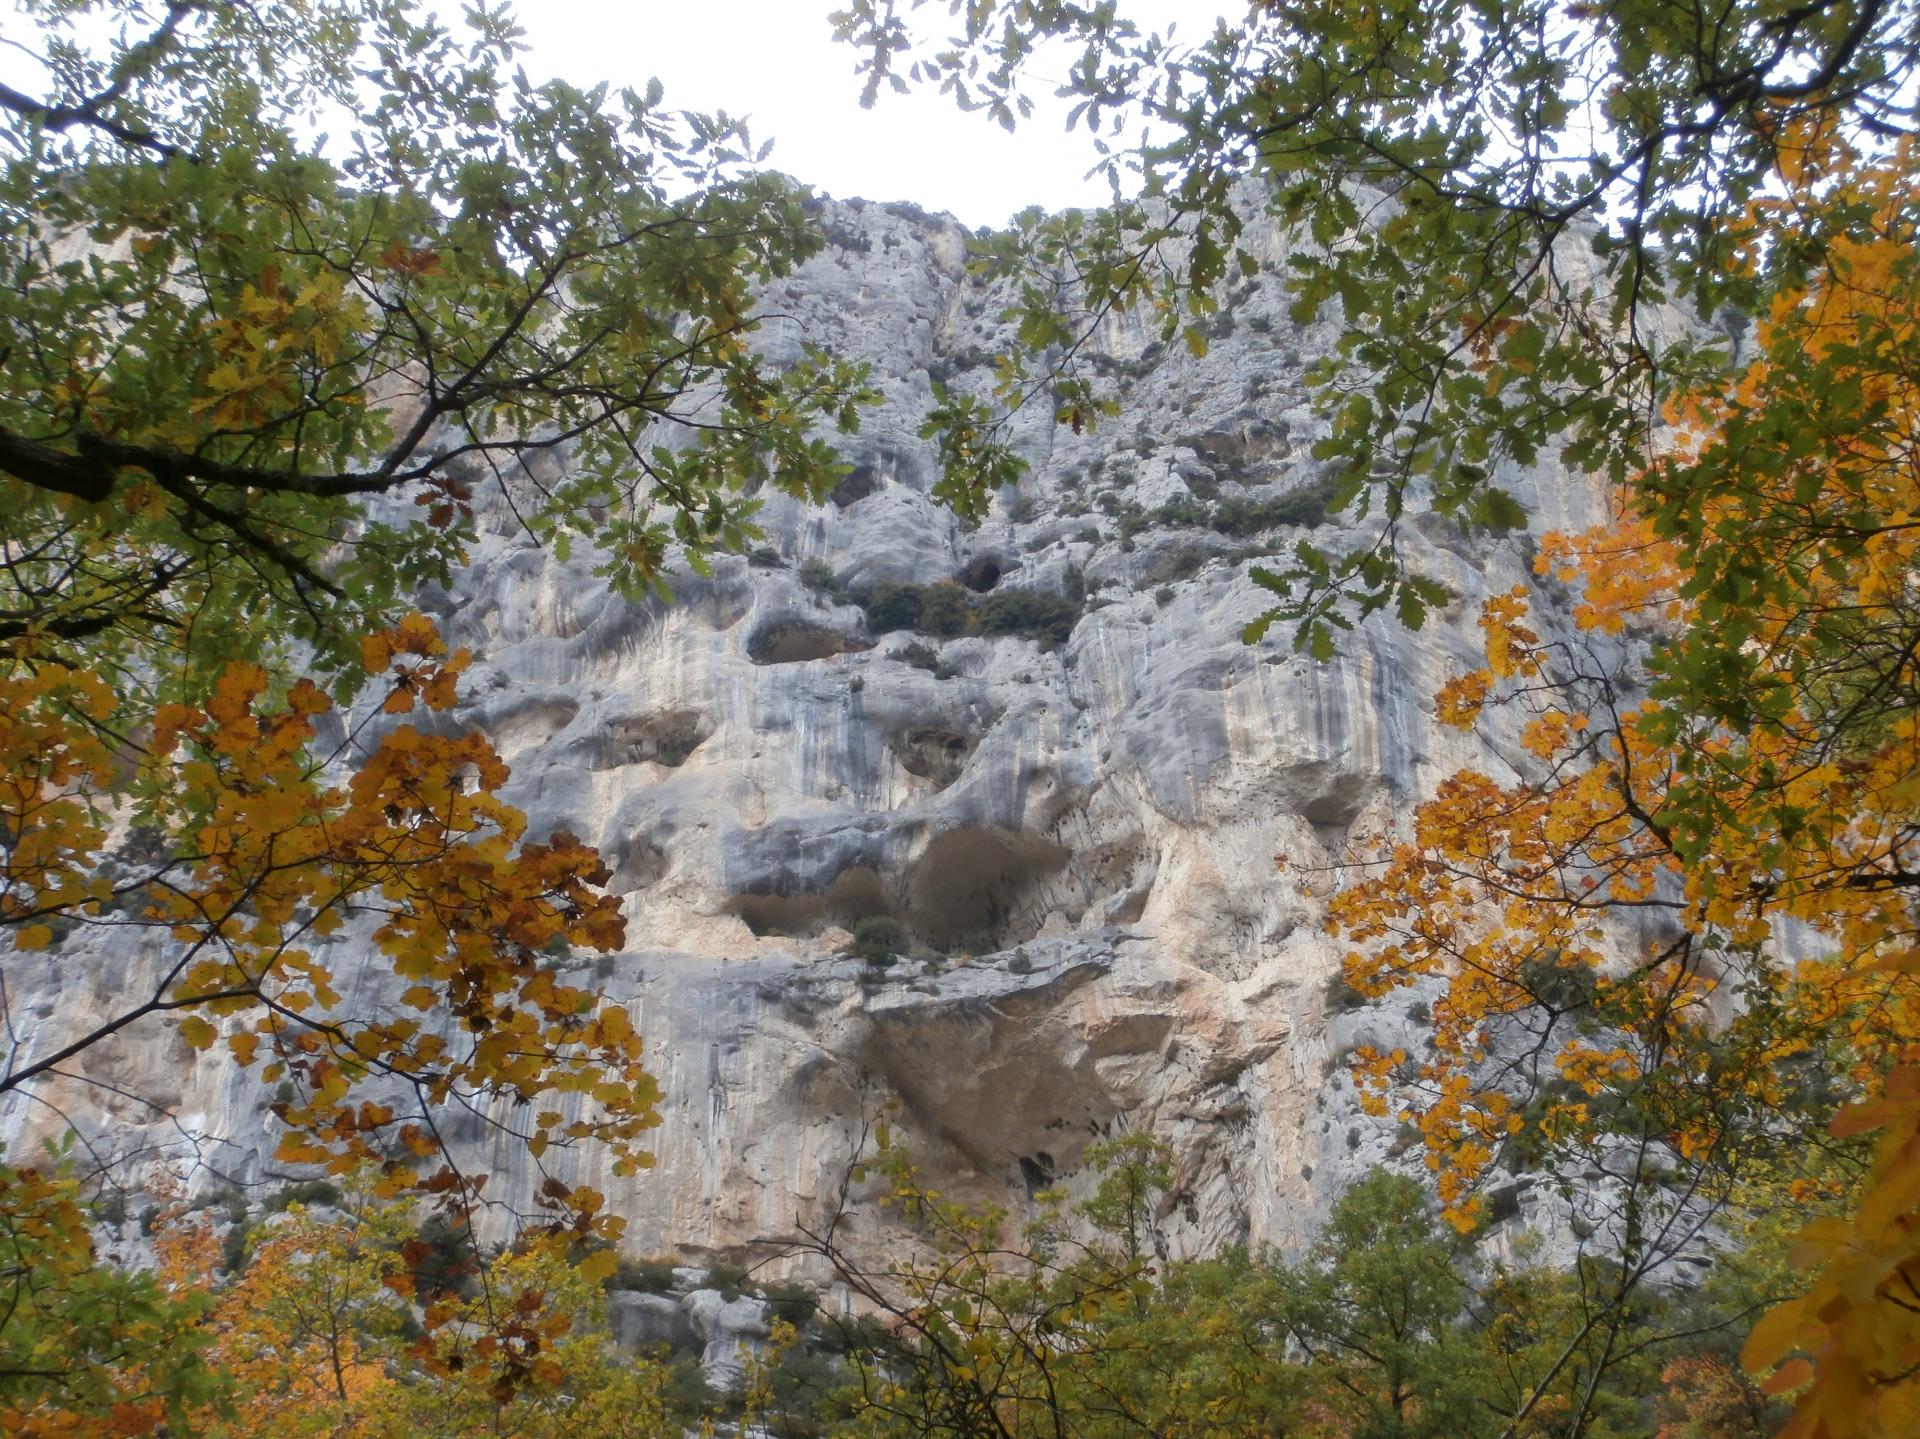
1856 1328
55 768
1791 804
319 1337
301 1334
263 354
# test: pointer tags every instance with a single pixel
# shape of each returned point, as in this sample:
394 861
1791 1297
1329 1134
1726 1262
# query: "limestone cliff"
1078 840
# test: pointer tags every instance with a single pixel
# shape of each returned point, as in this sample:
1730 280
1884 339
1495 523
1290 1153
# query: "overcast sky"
775 61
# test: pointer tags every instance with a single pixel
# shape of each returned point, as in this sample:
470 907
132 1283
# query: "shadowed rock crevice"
667 737
854 894
978 889
860 481
526 726
1120 874
982 574
1334 801
793 642
637 863
932 752
982 889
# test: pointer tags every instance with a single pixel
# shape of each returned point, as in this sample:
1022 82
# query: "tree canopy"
1504 203
265 266
252 379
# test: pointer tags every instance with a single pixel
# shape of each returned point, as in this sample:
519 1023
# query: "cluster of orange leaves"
1804 817
279 849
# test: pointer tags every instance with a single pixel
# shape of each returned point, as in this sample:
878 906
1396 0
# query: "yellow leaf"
33 936
298 1149
597 1266
1771 1338
197 1032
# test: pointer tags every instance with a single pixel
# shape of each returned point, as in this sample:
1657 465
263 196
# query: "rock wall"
1079 840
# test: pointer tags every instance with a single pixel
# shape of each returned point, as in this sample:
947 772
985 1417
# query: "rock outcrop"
1079 840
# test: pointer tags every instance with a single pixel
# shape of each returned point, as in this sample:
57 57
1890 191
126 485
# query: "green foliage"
237 340
1510 135
946 610
1135 1169
79 1335
1307 507
818 575
730 1279
442 1257
1031 614
883 929
923 657
1386 1328
879 939
890 606
644 1276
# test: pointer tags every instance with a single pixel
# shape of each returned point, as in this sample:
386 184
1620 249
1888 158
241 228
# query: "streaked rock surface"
1082 841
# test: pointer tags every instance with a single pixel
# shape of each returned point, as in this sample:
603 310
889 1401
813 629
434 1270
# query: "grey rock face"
1080 841
643 1322
733 1330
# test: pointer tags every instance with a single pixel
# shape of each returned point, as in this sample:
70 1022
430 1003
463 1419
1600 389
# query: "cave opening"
982 574
982 889
854 895
797 643
855 486
932 752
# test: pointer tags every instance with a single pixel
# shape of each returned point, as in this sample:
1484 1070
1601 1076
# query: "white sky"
775 62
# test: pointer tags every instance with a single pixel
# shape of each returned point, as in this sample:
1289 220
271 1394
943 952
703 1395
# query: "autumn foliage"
279 847
393 835
1690 920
